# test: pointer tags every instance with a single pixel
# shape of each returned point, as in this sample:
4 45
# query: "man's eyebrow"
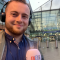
14 11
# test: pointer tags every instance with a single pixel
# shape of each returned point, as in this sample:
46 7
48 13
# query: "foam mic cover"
33 54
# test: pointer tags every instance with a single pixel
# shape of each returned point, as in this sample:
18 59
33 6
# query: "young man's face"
17 18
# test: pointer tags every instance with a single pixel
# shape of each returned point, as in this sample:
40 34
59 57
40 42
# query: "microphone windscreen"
33 54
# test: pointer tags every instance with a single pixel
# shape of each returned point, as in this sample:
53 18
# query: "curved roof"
51 4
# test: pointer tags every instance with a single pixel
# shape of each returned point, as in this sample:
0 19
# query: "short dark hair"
22 1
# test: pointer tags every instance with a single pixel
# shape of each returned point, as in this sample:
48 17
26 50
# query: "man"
14 44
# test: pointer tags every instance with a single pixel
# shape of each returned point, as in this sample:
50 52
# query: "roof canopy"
51 4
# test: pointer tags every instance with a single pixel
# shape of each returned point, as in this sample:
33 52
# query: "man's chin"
17 32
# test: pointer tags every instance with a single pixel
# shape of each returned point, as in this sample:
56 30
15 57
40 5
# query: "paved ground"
50 53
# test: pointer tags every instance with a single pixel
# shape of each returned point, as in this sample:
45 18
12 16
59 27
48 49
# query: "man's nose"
19 18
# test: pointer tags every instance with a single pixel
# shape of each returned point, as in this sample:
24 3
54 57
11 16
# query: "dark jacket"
3 47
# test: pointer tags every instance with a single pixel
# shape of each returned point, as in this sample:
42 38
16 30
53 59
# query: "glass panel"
39 28
38 9
6 0
27 1
46 6
35 13
1 6
39 13
1 2
34 24
56 4
39 19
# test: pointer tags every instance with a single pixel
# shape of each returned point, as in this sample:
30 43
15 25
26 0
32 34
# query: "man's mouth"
18 25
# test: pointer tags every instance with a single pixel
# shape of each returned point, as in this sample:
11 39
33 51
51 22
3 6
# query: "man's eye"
24 16
14 14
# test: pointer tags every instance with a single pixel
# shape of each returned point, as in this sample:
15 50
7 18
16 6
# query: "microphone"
33 54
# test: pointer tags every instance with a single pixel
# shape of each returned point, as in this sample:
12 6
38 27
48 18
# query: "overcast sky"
36 3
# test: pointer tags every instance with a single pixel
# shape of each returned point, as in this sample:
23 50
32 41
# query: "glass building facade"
46 20
46 23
